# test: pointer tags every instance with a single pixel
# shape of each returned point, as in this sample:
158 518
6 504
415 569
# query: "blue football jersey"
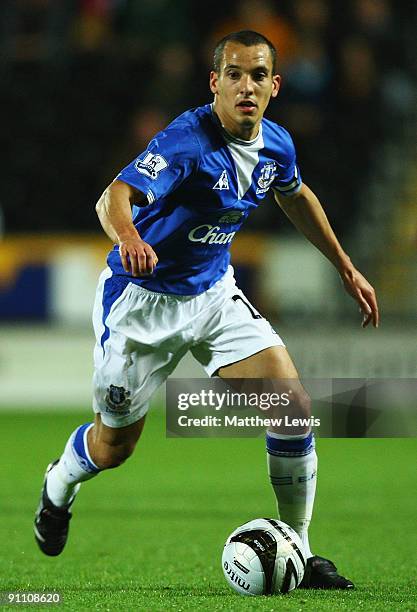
200 184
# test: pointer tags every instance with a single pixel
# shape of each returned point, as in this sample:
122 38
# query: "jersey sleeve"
288 180
169 159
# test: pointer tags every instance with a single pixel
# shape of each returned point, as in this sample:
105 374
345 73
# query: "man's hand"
138 257
358 287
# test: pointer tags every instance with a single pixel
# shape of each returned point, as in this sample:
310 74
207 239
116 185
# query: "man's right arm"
114 209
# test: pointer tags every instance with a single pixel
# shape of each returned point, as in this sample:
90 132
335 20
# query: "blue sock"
75 466
80 449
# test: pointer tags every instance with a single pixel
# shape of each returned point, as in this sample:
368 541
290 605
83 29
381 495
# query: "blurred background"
84 86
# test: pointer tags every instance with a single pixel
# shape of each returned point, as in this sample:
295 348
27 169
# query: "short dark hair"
248 38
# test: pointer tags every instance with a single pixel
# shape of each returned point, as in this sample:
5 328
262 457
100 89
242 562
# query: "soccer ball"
263 557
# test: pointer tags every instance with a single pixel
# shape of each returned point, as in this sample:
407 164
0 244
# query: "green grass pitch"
149 535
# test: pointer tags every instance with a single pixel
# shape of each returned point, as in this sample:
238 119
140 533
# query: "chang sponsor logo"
210 234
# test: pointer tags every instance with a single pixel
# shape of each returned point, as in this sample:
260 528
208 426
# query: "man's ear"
276 84
214 77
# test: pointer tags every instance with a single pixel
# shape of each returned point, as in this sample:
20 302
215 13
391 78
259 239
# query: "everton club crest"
267 176
117 400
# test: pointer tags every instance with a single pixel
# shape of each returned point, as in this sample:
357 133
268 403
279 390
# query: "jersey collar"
229 137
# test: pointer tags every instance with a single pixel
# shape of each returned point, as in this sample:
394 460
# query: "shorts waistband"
168 296
176 297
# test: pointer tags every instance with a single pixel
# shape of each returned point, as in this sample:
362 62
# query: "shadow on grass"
106 512
173 590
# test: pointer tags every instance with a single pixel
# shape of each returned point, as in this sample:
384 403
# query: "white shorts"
142 335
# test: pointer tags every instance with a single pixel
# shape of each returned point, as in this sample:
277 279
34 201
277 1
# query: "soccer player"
168 288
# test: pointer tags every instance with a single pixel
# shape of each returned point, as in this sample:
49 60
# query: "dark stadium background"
86 83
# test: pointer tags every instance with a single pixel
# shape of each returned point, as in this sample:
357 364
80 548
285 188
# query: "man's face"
244 87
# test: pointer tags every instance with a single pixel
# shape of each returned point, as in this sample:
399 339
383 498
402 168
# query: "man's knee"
108 456
301 405
110 447
297 404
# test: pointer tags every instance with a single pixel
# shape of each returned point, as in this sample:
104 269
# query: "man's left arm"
307 215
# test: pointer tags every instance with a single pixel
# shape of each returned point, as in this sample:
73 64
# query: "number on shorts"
248 306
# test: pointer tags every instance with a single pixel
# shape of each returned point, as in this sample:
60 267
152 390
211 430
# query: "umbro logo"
223 182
